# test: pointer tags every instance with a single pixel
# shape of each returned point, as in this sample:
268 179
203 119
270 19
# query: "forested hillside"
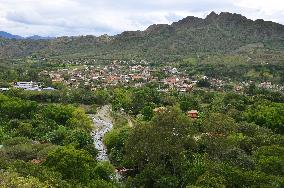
223 33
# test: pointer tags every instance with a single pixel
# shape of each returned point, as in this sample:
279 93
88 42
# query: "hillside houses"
128 73
85 73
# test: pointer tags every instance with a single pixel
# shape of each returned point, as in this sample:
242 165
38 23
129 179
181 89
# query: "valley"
195 103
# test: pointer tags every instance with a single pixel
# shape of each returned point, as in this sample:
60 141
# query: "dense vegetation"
252 64
237 141
48 145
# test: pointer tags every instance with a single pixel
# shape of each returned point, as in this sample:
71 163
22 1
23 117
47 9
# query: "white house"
26 85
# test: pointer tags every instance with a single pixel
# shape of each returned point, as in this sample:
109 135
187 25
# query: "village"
92 75
133 73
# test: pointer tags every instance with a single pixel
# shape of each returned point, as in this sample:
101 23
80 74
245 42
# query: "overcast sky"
82 17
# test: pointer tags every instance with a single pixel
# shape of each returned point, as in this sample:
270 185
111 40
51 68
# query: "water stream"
102 125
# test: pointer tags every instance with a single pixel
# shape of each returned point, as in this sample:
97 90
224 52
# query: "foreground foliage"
48 145
236 142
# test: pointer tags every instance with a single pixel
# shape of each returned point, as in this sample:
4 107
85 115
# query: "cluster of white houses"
32 86
29 86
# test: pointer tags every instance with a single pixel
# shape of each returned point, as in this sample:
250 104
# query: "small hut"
193 114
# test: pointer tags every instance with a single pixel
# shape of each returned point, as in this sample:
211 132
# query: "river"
102 125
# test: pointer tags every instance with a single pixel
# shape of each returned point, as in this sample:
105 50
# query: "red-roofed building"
193 114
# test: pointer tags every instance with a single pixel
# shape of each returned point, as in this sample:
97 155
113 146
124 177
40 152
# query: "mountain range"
217 33
7 35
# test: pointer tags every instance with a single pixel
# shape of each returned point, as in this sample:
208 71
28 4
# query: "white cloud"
264 6
81 17
272 10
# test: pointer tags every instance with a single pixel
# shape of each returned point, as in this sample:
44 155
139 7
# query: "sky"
96 17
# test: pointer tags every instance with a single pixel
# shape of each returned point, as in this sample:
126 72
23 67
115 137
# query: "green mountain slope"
223 33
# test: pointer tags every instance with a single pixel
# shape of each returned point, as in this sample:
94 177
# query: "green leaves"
217 123
71 163
270 159
267 114
78 166
15 180
115 142
31 134
161 142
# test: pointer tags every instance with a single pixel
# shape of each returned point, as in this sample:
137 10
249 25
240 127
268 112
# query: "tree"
12 179
3 135
270 159
80 120
217 123
77 165
121 99
267 114
163 142
81 139
102 97
40 172
203 83
105 171
147 112
188 103
115 143
251 89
